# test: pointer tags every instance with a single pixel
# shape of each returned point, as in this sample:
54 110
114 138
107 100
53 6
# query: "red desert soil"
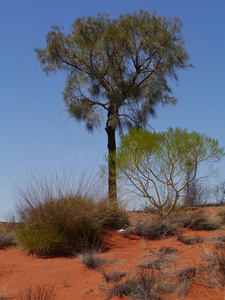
73 281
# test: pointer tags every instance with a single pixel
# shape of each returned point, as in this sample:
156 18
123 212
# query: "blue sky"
35 130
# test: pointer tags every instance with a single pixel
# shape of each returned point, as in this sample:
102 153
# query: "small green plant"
38 292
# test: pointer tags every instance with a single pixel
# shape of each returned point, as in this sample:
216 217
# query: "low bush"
221 215
67 225
155 229
153 265
200 221
92 260
7 238
113 276
189 241
216 264
166 250
57 221
185 278
146 286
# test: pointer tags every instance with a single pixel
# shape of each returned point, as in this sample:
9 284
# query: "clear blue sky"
35 131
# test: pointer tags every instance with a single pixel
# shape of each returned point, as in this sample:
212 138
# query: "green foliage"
118 70
65 225
119 65
153 162
58 227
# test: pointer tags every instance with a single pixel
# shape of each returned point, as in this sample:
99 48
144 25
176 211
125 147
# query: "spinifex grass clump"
60 226
200 221
55 223
155 229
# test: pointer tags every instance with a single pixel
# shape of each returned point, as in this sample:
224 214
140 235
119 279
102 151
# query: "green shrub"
58 227
67 225
112 216
57 219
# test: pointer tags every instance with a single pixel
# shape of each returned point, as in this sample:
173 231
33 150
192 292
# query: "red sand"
73 281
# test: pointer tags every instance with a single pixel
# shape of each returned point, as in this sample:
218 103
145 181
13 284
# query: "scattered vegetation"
38 292
147 286
185 278
216 266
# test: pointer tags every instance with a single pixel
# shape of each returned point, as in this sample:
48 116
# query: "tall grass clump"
56 220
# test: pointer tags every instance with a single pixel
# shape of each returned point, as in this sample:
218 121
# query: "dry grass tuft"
92 260
113 276
39 292
147 286
154 229
189 241
198 220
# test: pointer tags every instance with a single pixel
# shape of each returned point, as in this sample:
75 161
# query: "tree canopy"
156 163
118 70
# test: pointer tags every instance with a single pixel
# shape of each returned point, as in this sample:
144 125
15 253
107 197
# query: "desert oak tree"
155 164
117 71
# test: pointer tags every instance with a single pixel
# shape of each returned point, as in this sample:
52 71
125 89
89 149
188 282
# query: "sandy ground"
73 281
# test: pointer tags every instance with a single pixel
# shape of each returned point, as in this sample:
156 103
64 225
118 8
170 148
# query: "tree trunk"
112 188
